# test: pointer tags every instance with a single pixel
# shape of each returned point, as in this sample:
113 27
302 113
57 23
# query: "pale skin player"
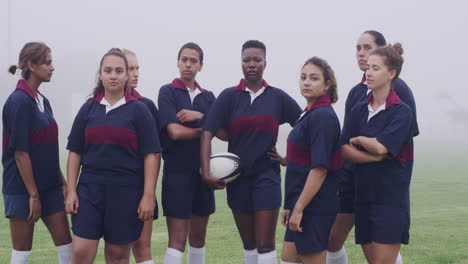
142 247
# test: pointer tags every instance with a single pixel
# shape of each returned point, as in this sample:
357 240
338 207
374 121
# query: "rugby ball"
225 166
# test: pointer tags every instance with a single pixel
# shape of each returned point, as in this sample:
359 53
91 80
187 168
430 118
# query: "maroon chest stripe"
111 135
297 154
336 160
254 123
44 135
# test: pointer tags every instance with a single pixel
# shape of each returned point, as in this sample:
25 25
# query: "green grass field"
439 227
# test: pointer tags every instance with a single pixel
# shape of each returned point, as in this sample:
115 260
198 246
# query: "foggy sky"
433 34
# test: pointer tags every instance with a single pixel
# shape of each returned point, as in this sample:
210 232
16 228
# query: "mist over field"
432 34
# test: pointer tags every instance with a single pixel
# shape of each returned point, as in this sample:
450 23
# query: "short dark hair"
254 44
194 46
379 38
392 57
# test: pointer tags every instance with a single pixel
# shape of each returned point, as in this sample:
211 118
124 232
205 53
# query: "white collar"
373 113
253 95
111 107
193 93
40 102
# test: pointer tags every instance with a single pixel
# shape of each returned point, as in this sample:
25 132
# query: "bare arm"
147 203
73 169
64 186
370 144
185 115
355 155
312 186
23 162
205 154
180 132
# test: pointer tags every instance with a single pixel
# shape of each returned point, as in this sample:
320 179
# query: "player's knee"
80 253
141 251
265 246
178 242
249 244
334 245
335 241
197 240
120 259
116 255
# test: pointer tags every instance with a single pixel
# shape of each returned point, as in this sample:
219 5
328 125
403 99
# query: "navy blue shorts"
314 236
18 205
346 192
250 193
185 194
109 211
381 224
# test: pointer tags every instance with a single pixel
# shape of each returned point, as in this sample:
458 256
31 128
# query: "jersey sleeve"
218 116
210 99
351 125
19 116
349 104
290 110
76 138
148 136
154 111
323 139
398 130
406 95
167 107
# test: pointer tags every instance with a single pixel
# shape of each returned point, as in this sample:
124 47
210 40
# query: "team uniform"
112 142
183 192
253 121
314 141
155 113
382 203
30 126
357 95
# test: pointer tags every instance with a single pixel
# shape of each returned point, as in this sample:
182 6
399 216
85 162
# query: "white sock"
251 256
399 259
146 262
284 262
20 257
267 258
173 256
196 255
339 257
64 253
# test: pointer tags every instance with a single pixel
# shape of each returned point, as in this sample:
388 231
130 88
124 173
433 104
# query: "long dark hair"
379 38
328 75
112 52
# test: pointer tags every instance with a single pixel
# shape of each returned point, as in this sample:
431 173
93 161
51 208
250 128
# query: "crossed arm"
375 150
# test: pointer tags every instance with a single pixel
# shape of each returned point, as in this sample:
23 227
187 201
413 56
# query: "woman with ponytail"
33 184
367 42
375 138
313 161
115 144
